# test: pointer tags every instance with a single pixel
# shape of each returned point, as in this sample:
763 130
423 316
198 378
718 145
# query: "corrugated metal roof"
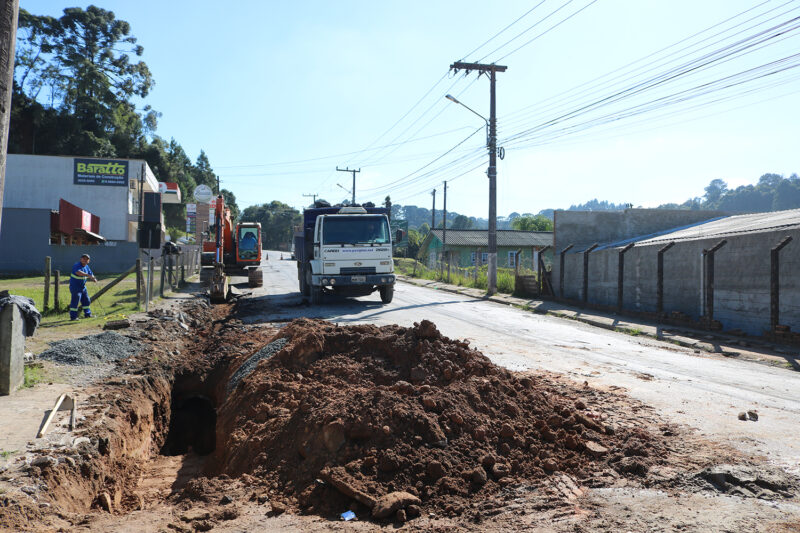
731 226
477 238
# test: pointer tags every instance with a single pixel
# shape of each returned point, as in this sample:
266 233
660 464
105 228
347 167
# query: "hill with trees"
772 192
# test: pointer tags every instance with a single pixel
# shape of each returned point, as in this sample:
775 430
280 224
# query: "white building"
107 188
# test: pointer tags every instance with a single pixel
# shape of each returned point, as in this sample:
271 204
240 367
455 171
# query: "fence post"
163 273
710 279
774 283
586 253
540 268
47 263
139 284
150 276
660 278
182 259
561 270
56 282
621 274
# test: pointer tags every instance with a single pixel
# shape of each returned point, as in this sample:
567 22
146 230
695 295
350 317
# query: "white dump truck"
346 251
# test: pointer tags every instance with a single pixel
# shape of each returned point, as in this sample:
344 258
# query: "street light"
491 273
453 99
348 191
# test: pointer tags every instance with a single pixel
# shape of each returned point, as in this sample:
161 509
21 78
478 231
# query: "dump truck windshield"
356 230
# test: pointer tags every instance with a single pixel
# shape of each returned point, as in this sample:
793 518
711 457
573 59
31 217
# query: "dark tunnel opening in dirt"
192 427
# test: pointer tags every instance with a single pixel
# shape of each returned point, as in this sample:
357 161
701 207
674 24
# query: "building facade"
110 189
469 247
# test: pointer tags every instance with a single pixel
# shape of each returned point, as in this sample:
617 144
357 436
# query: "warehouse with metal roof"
735 272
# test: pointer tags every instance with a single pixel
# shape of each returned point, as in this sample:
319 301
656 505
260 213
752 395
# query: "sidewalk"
748 348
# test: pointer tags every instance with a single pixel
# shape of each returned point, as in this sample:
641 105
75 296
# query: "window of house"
512 259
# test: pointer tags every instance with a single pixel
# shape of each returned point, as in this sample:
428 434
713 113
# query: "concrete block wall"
584 228
742 279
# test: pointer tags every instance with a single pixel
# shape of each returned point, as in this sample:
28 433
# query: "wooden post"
774 283
47 262
150 276
139 284
182 260
96 296
540 269
163 273
56 283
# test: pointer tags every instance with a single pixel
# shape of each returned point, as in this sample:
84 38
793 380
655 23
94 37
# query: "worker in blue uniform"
81 273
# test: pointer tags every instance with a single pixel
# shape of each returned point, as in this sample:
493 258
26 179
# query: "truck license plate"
358 279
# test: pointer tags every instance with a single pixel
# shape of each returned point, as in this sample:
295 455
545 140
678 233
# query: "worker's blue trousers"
81 297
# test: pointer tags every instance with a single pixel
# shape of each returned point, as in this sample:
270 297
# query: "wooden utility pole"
433 210
354 179
491 69
444 234
314 196
8 34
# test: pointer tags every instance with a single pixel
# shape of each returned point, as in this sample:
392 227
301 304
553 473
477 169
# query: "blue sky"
280 93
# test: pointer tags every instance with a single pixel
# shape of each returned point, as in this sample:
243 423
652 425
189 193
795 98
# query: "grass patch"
634 332
463 277
33 374
5 454
117 303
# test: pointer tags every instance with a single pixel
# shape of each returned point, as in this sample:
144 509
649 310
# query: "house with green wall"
469 247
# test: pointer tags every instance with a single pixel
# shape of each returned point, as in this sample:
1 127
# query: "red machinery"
232 252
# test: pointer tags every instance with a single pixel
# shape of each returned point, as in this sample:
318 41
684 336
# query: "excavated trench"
325 418
389 422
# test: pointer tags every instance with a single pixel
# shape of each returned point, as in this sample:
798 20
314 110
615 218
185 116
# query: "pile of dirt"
390 421
106 347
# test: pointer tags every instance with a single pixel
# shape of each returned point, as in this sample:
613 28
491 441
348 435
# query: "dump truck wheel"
305 287
387 293
316 295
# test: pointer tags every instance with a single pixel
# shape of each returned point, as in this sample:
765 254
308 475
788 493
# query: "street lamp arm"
453 99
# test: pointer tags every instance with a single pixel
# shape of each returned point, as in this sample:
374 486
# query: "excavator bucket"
219 284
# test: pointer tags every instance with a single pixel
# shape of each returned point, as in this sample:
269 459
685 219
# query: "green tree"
532 223
277 222
715 190
80 66
424 229
462 222
203 173
414 242
230 203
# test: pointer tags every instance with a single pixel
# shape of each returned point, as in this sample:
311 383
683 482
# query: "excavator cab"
248 251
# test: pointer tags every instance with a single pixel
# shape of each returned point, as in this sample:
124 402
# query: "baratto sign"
100 172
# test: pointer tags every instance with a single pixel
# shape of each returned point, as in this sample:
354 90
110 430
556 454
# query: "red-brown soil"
344 415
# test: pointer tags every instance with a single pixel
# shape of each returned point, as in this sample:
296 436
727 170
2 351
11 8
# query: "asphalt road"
704 391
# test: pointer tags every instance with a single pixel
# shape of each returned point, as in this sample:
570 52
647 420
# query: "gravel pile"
103 348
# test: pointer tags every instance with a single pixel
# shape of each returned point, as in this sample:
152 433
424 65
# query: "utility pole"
8 39
354 179
444 234
433 210
492 173
312 196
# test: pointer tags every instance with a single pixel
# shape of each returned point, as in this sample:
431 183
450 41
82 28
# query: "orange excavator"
232 252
